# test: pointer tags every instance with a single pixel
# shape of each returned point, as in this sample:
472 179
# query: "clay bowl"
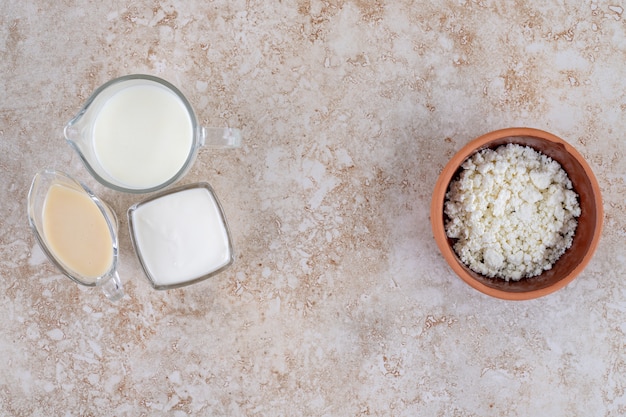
588 231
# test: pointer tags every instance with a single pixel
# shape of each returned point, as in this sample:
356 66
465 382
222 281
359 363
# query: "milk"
77 232
142 135
180 237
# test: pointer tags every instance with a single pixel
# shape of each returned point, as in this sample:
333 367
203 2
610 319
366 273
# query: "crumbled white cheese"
512 211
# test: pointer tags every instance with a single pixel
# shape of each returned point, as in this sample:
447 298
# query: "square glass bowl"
180 236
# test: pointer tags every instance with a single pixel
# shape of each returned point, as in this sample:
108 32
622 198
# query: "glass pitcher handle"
112 287
216 137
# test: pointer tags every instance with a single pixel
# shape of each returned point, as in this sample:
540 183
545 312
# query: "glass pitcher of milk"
76 230
139 134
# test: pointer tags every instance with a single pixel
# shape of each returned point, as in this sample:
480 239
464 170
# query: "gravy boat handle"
111 286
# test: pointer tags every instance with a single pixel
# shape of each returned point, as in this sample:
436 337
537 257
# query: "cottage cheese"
512 211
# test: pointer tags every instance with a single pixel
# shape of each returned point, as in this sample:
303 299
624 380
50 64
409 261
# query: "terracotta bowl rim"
438 200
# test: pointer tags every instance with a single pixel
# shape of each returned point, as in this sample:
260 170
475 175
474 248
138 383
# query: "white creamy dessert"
180 237
512 211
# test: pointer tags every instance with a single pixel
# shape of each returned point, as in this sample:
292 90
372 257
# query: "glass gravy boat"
76 230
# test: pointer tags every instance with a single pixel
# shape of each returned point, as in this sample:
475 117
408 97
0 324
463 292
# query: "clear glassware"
43 182
181 236
80 132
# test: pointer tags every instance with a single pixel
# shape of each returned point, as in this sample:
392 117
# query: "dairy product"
142 135
180 236
513 212
77 232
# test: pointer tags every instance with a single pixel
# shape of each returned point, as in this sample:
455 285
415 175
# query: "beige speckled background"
339 303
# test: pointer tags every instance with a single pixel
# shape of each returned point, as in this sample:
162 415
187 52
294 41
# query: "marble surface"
338 303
